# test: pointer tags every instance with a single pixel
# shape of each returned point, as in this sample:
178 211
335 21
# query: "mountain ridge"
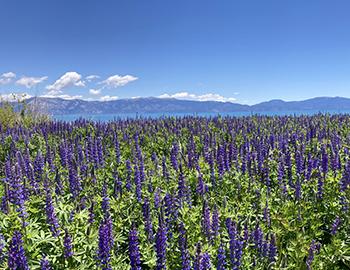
58 106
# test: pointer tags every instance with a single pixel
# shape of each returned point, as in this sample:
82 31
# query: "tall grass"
19 112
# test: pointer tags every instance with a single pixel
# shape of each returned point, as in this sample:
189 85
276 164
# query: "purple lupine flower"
82 204
99 148
157 198
49 158
198 257
324 160
205 261
105 243
245 233
8 170
221 259
45 264
5 199
220 161
173 155
345 179
265 246
80 158
309 166
146 211
206 224
67 243
200 189
38 166
154 158
266 178
335 226
94 152
51 217
185 256
181 187
298 162
280 175
236 245
105 200
257 237
215 222
16 255
30 172
58 184
2 246
118 186
17 195
137 146
138 184
117 148
171 212
191 152
134 252
63 154
238 253
74 181
344 203
314 249
161 245
128 175
272 248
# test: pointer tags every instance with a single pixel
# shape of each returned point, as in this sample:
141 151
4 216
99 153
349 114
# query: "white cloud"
14 97
68 79
91 77
108 98
117 80
63 96
29 82
204 97
7 77
95 91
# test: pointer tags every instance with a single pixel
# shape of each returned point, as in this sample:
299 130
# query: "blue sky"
244 51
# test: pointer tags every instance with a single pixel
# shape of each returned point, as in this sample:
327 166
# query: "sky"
240 51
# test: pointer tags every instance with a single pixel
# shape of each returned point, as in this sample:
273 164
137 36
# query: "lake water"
110 117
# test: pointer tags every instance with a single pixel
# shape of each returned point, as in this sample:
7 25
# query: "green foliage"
238 195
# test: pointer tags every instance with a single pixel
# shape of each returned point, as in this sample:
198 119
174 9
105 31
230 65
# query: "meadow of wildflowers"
253 192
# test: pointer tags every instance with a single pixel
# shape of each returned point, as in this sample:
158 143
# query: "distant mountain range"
57 106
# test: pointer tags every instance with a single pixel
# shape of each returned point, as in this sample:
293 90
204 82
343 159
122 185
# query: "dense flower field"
177 193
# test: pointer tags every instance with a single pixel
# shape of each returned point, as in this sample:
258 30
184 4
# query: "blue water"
110 117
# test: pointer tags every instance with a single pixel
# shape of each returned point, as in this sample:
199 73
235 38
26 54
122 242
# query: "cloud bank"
91 78
204 97
95 91
29 82
63 96
108 98
7 77
117 81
